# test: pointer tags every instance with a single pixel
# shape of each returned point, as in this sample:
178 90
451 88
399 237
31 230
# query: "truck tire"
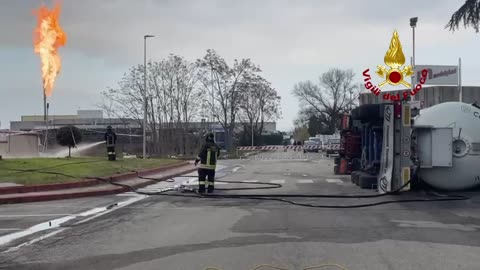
355 114
353 175
357 178
367 181
368 112
356 164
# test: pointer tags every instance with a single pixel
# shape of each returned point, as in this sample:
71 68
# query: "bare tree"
175 100
221 82
259 103
125 100
334 95
468 13
172 101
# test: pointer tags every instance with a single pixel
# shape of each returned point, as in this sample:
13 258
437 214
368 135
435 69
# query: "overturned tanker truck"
400 147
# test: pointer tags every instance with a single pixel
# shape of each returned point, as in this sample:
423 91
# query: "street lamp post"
45 145
413 24
145 95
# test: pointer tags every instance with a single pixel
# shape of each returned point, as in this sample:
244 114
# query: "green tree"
69 136
468 13
316 125
300 133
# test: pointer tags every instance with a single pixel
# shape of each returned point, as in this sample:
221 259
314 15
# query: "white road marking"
150 189
334 180
34 229
52 224
33 241
10 229
280 181
92 211
250 181
436 225
127 194
118 206
305 181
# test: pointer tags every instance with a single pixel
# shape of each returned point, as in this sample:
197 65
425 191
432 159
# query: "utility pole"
413 24
460 90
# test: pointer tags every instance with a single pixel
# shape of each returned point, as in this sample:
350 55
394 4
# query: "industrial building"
19 144
93 119
84 119
92 125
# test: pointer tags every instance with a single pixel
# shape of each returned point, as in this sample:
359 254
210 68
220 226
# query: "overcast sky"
292 41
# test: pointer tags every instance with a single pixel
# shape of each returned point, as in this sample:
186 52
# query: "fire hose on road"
269 197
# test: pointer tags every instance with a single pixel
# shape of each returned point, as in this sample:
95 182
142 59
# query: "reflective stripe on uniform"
208 167
201 182
210 183
209 156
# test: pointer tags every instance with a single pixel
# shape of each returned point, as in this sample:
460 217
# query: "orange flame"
48 37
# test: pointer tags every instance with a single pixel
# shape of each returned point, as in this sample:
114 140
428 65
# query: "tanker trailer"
446 144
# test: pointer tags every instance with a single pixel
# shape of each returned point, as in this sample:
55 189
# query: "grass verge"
10 169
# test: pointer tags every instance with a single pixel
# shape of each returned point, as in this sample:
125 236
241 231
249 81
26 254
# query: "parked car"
311 146
333 147
317 140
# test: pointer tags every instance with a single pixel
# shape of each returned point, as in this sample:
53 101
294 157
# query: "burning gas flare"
48 37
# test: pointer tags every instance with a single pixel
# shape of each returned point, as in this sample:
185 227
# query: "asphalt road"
160 232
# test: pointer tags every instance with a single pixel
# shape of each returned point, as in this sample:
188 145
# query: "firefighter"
207 157
110 140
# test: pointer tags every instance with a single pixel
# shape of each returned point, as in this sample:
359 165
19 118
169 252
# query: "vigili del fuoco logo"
394 74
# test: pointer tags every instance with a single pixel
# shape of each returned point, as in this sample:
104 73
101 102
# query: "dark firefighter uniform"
208 160
111 140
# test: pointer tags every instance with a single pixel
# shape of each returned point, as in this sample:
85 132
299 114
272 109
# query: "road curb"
73 195
86 183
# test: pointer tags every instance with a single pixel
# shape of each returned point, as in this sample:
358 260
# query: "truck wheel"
353 175
367 181
356 164
368 112
355 114
357 178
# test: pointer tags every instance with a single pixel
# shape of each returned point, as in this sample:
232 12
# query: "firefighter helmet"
209 137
